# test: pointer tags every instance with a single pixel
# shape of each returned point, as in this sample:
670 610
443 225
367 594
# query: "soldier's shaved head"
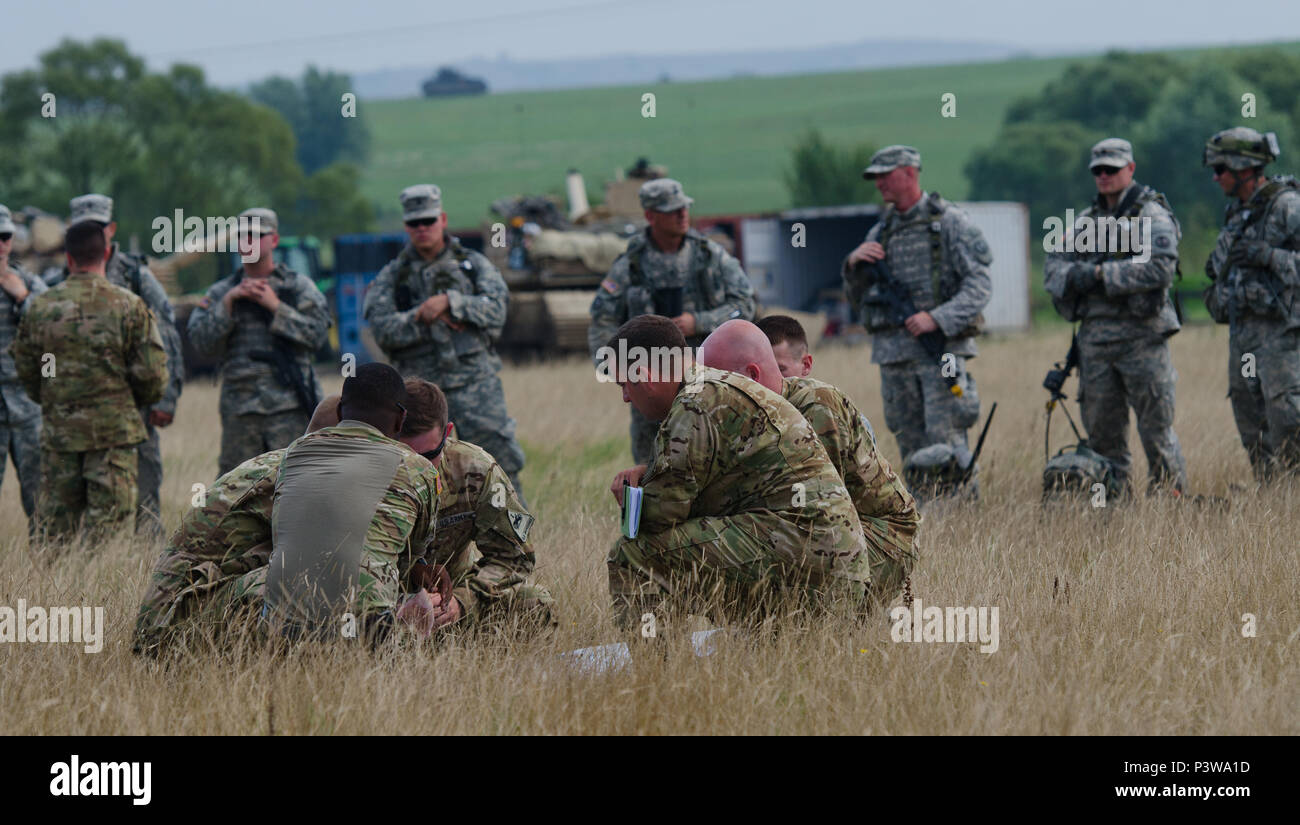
739 346
376 396
326 414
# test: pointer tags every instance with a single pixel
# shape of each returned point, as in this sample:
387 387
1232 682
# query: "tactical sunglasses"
422 222
4 236
1098 171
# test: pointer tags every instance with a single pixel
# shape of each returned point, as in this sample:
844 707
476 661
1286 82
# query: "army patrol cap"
6 220
663 195
890 158
1116 152
424 200
267 220
1240 148
90 208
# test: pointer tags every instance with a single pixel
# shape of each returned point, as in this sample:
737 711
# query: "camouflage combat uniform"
740 503
108 360
259 412
20 417
482 540
1262 307
942 258
353 512
463 363
217 545
129 272
713 287
886 510
1126 320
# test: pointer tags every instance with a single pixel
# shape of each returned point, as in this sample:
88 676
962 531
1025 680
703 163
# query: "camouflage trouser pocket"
968 404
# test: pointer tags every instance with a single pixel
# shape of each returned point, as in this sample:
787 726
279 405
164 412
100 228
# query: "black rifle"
1053 383
979 447
285 365
884 291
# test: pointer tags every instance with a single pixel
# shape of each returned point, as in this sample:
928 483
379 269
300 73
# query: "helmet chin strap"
1238 181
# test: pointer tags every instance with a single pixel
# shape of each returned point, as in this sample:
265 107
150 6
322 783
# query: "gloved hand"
1084 278
1251 253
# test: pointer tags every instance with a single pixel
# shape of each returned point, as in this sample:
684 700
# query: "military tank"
449 83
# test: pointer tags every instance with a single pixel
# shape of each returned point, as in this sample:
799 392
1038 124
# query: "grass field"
1122 620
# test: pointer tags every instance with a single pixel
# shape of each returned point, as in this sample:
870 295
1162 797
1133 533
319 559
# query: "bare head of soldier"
649 384
375 396
87 249
326 414
741 347
427 428
789 345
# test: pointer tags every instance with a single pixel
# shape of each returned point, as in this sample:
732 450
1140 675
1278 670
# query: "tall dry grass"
1119 620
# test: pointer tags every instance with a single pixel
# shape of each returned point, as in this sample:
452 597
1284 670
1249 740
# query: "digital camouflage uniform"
886 510
942 258
259 412
1259 303
1126 318
20 417
203 570
463 363
713 287
482 540
130 272
741 503
108 360
316 532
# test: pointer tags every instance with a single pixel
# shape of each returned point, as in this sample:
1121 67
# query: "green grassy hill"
728 141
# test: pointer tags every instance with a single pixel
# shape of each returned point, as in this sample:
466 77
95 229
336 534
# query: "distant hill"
503 74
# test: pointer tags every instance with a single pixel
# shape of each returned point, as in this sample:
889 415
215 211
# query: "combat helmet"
1071 475
937 471
1240 148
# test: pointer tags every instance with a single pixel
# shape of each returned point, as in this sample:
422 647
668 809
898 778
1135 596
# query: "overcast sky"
241 40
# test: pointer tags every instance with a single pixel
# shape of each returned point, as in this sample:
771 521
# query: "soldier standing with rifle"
129 272
1126 318
266 322
1255 267
939 259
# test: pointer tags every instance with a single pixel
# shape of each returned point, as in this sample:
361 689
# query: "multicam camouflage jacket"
1271 215
130 272
885 508
730 446
942 258
478 300
1133 299
90 354
246 335
15 406
713 287
478 509
226 538
351 461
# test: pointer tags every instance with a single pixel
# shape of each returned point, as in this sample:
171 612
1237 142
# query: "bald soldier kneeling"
741 509
886 510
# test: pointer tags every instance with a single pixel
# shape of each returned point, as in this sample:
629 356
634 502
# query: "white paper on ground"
615 657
